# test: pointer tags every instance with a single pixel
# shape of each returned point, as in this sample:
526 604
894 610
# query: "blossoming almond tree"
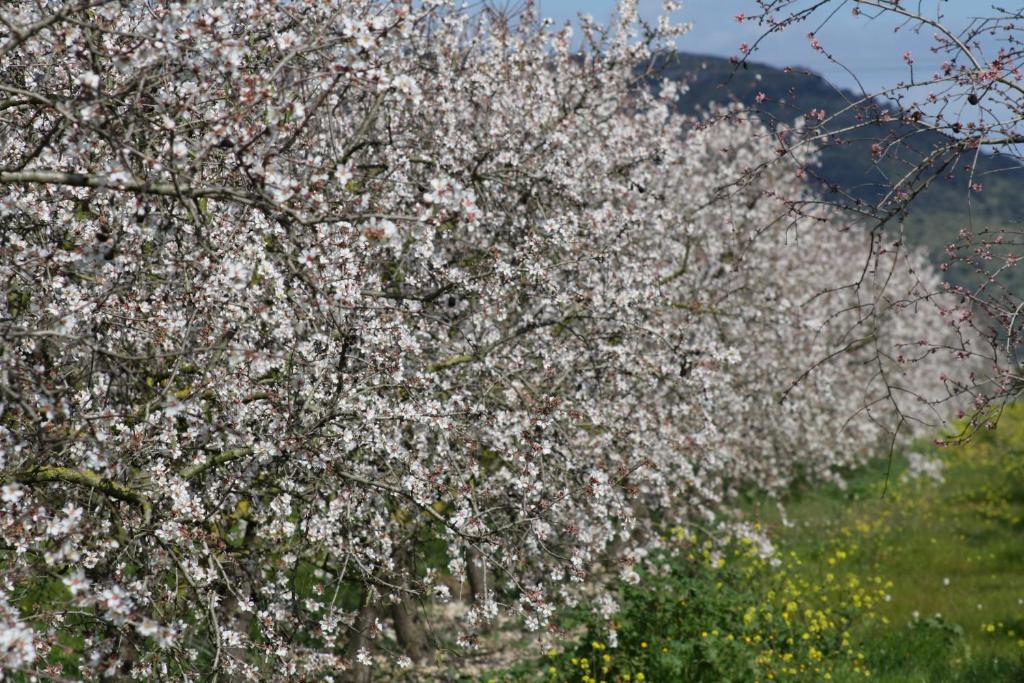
959 123
318 314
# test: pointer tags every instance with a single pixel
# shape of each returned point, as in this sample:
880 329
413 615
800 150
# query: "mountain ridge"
934 218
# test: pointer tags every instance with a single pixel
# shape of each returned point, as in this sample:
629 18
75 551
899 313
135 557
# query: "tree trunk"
365 622
407 628
410 635
477 576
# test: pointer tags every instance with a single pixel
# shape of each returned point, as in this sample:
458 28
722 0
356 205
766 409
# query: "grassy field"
953 551
923 583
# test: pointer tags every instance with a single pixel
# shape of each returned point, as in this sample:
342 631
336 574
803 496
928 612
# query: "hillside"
936 216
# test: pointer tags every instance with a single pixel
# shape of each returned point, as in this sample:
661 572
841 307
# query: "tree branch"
216 461
48 177
84 478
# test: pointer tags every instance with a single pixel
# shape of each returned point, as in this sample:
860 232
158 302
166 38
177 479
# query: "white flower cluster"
17 640
920 466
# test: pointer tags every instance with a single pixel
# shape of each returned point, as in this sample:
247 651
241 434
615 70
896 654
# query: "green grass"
924 583
954 548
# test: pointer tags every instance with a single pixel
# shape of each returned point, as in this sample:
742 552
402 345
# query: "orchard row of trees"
320 314
952 114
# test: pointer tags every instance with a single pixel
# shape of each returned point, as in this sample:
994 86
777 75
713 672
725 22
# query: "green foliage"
727 614
922 583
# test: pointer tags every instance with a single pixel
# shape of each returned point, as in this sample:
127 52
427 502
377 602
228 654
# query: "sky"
870 48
